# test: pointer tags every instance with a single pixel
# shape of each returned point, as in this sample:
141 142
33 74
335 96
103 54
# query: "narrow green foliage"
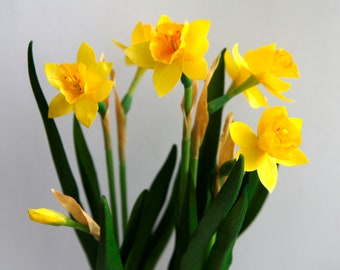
151 208
194 257
187 225
66 179
208 150
108 257
132 226
227 234
159 238
257 195
87 170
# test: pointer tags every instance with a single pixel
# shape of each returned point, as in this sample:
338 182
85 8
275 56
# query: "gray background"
299 225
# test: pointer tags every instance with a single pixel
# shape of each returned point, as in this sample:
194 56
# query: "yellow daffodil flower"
141 33
277 142
82 221
48 216
82 85
173 49
267 64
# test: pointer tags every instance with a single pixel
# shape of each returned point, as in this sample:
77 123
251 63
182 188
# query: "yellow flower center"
167 42
72 78
280 138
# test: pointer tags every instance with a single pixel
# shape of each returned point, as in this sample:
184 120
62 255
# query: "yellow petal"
261 59
268 115
86 55
297 158
51 71
242 134
140 55
283 65
238 58
196 42
297 122
59 106
98 71
268 173
164 19
120 45
253 157
271 82
142 33
47 216
166 77
195 70
86 111
255 97
231 66
99 92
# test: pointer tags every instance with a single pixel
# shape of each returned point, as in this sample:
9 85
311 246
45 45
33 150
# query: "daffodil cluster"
216 193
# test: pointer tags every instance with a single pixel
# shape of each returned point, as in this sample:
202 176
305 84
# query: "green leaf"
132 226
67 181
257 195
108 257
195 255
186 226
160 238
208 150
227 168
151 208
227 234
87 170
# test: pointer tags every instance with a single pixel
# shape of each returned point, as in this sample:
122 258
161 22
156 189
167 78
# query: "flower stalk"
110 169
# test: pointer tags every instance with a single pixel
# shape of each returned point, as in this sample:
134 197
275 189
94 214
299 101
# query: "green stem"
233 90
75 225
110 170
123 193
186 139
127 99
193 169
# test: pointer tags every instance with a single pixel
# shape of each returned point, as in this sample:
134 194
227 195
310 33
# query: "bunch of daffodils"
225 170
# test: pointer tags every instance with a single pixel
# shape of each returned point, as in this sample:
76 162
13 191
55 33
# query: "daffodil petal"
238 58
283 65
51 70
86 55
272 82
140 55
261 59
100 92
196 40
231 66
164 19
253 156
298 158
59 106
268 173
166 77
86 111
297 122
142 33
118 44
242 134
195 70
98 72
255 98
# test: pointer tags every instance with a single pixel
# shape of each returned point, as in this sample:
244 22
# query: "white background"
298 227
